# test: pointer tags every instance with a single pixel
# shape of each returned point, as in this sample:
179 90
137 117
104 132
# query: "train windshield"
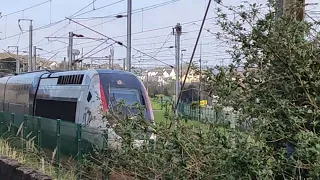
128 96
127 87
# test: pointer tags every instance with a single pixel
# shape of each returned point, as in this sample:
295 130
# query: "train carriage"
79 97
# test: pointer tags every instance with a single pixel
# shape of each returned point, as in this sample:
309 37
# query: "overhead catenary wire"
193 52
119 43
22 10
164 43
143 9
113 16
101 50
68 23
92 49
45 26
95 9
139 33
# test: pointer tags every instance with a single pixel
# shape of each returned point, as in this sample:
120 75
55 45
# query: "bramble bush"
277 95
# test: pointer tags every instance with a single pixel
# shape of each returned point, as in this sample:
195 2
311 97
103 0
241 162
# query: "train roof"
90 71
100 71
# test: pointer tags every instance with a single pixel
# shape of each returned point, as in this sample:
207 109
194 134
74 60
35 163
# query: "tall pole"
178 31
64 64
112 56
34 62
70 51
200 76
109 57
181 65
17 61
124 64
294 8
147 81
30 47
82 59
129 13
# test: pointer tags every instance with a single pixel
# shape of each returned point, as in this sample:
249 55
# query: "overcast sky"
147 18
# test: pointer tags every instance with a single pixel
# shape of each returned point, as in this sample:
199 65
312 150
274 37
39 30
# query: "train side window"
89 97
56 109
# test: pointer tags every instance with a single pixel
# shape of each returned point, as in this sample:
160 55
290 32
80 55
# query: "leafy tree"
278 94
276 100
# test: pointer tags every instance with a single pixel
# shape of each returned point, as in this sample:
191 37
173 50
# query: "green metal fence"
207 114
61 137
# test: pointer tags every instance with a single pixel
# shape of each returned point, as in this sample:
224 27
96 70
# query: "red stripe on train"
103 99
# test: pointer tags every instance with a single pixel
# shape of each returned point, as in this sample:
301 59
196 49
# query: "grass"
156 105
159 116
29 157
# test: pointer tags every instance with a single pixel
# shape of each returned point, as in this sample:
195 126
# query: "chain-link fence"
63 141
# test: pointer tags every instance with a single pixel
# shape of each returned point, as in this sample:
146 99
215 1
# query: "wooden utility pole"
294 8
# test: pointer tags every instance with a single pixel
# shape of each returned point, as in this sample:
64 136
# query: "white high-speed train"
78 97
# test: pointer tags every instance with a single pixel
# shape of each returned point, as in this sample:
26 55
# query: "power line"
93 49
150 30
84 8
164 43
118 42
26 8
48 25
193 52
134 11
53 33
135 44
68 23
101 7
101 50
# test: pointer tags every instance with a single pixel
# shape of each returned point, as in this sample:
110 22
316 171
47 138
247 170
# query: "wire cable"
167 39
100 50
193 52
93 49
133 11
118 42
101 7
26 8
48 25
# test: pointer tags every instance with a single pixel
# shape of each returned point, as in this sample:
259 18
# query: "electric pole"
124 64
17 59
129 13
178 31
70 55
294 8
30 47
34 62
181 74
109 57
82 59
64 64
112 56
200 76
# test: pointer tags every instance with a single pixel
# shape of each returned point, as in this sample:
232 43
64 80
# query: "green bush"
277 96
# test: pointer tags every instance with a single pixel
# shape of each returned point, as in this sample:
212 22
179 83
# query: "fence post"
12 122
105 167
58 147
39 119
79 129
1 123
24 130
166 106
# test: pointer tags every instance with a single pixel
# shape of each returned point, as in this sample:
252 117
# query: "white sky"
145 37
